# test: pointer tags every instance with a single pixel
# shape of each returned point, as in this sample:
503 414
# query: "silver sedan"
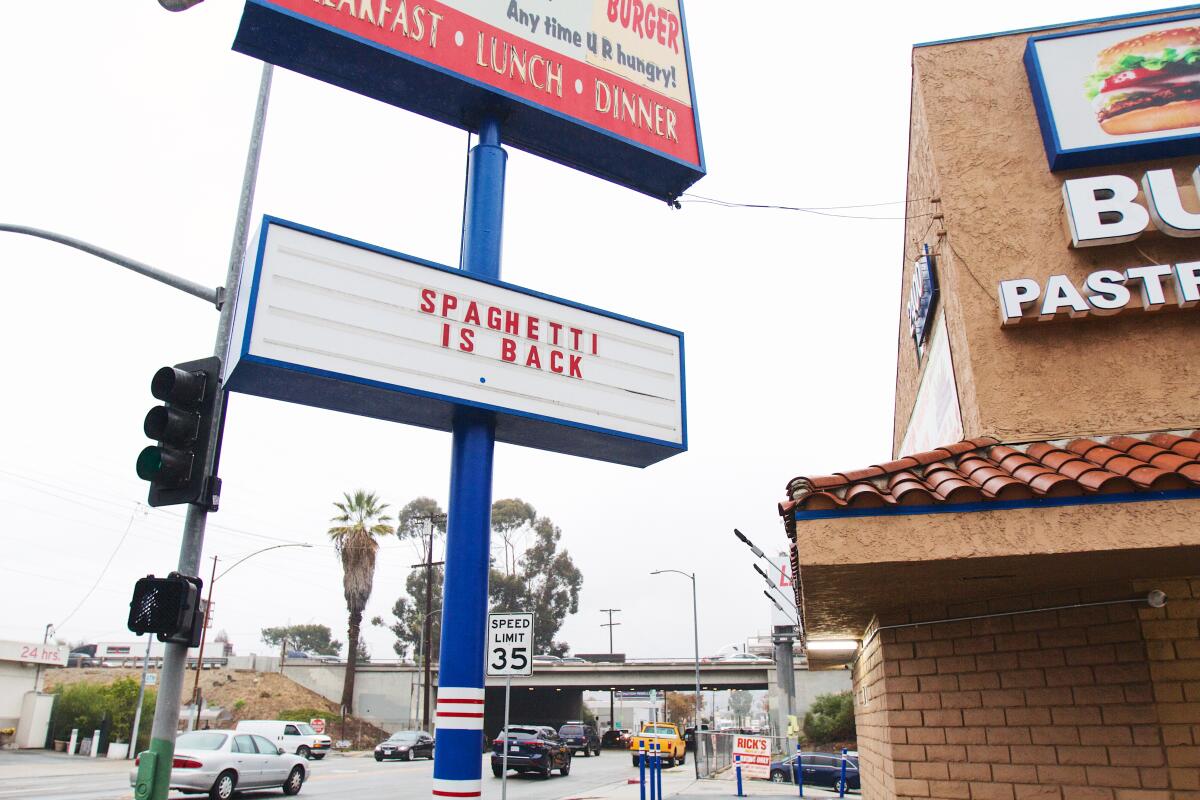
221 762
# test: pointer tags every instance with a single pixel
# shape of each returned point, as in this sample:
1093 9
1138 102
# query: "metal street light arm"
214 296
256 552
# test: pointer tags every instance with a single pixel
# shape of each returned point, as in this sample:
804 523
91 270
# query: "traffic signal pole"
155 774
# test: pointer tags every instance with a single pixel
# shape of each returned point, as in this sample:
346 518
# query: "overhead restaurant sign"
1105 210
333 323
34 653
1120 93
603 86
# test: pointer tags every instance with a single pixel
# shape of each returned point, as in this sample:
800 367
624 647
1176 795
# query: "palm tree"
360 520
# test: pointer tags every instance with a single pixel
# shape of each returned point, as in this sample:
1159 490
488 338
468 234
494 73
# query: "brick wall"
1092 703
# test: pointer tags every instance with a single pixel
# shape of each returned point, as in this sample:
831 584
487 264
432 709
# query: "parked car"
405 745
292 735
531 748
581 738
221 762
819 769
573 660
615 737
547 659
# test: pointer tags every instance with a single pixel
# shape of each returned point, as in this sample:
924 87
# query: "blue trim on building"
999 505
1037 28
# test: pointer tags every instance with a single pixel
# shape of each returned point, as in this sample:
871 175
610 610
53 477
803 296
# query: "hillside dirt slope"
244 694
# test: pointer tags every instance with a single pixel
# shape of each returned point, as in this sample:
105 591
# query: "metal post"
200 655
798 769
696 640
658 769
137 714
457 767
738 770
166 710
842 788
425 627
642 772
653 769
504 758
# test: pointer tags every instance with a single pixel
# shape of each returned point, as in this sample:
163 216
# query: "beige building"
990 581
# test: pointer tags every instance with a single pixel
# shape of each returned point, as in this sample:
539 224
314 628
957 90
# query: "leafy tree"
83 706
510 518
681 707
740 702
408 615
544 581
830 718
360 522
539 579
309 638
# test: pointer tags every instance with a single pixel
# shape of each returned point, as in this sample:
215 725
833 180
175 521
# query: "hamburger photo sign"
1117 94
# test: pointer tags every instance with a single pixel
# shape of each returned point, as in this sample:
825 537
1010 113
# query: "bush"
830 719
83 706
305 714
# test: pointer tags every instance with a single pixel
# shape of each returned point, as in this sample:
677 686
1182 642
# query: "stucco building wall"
972 107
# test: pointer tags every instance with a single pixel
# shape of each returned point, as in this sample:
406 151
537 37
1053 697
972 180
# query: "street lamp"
207 606
696 637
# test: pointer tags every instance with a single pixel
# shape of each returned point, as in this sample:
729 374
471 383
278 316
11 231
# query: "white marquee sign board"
510 645
333 323
753 755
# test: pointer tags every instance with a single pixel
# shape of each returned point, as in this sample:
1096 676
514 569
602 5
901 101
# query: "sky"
127 126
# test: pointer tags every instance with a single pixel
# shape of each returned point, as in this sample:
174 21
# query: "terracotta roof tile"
982 470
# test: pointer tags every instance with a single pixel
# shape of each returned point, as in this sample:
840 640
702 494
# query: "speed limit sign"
510 645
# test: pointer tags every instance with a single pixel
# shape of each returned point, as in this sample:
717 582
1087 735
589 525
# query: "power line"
103 570
822 211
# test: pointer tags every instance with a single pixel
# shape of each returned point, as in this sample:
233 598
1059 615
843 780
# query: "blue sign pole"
457 767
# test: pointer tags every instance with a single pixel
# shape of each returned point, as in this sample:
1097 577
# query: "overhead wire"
104 569
822 211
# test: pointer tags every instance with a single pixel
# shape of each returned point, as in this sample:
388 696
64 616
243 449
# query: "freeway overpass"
389 694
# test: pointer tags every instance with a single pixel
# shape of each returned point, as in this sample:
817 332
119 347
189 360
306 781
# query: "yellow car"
671 746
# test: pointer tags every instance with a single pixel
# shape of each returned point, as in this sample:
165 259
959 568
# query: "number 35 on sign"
510 645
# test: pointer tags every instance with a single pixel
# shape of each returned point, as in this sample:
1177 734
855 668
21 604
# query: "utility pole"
200 655
612 720
427 626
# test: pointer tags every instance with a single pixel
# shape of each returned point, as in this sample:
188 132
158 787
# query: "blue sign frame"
281 380
1062 158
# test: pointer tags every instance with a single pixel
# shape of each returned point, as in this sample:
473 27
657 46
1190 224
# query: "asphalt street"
361 778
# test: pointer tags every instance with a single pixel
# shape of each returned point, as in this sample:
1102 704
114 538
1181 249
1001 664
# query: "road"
56 778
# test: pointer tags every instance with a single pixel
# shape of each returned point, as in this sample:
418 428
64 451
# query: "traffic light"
177 466
169 607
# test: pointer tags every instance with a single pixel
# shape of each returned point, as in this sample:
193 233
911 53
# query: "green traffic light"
149 463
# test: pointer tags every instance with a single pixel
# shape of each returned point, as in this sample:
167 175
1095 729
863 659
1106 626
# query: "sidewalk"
686 787
24 764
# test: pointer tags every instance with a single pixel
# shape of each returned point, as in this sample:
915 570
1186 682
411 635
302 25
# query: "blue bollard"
842 788
658 772
653 766
642 774
737 769
798 769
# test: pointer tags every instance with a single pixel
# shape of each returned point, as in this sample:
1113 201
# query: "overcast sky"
127 126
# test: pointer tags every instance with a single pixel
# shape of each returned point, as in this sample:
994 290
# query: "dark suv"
581 738
531 748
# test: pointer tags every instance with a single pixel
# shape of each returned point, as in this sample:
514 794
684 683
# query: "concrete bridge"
388 695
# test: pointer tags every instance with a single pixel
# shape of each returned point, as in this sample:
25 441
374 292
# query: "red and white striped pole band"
445 788
459 709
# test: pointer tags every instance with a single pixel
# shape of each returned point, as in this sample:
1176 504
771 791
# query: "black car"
820 769
615 737
581 738
531 748
405 745
689 736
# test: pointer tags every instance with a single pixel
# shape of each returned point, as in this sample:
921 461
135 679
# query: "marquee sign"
333 323
603 86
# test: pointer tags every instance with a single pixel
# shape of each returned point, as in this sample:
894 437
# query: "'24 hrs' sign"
510 645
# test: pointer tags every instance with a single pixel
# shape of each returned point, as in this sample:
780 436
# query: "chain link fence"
718 750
